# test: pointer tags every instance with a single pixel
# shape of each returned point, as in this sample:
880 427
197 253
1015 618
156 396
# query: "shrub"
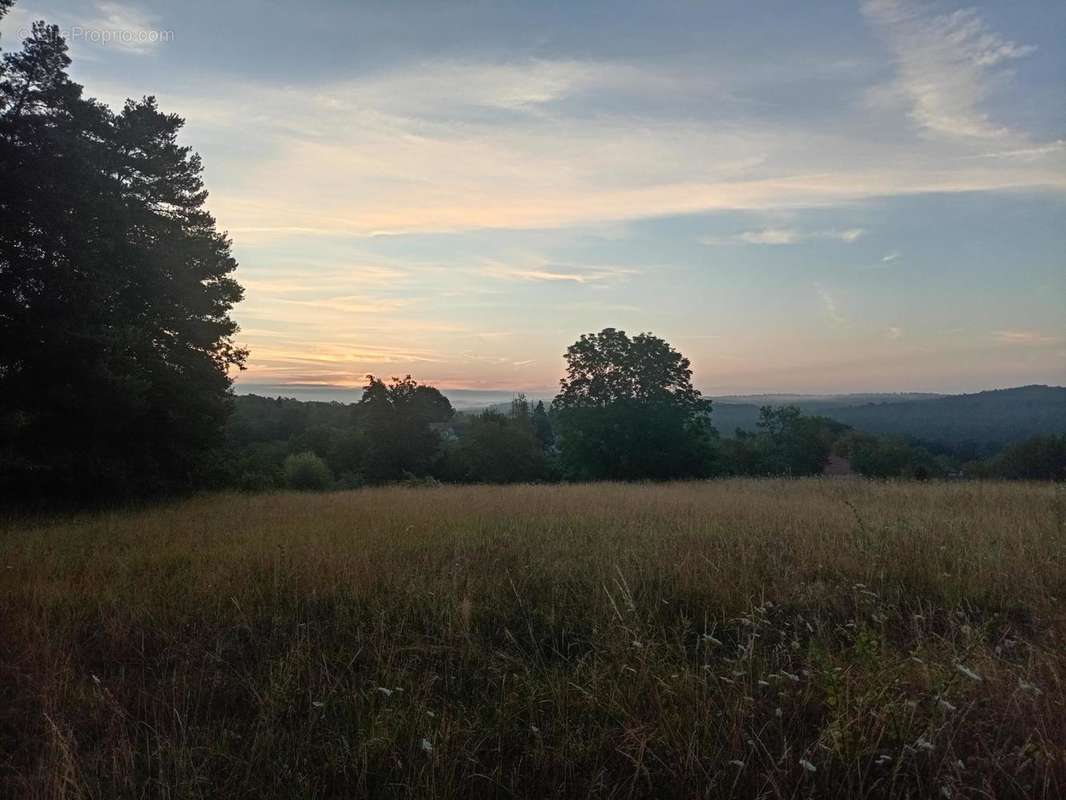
307 472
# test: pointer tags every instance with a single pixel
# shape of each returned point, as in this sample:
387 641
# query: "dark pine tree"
115 292
542 427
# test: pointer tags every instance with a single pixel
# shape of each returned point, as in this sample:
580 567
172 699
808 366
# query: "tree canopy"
397 420
627 410
115 291
609 367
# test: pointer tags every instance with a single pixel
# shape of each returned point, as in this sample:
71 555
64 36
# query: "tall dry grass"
725 639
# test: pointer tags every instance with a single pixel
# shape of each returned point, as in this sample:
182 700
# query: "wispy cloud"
1027 153
895 255
1025 337
427 156
315 278
98 27
783 236
124 27
353 304
829 305
770 236
550 273
944 63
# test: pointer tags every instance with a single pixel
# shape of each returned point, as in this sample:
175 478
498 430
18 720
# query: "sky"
800 197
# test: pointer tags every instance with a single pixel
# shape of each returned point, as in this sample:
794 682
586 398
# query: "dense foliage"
1042 458
115 292
518 445
627 410
502 448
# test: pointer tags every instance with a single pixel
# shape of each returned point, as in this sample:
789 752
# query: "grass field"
724 639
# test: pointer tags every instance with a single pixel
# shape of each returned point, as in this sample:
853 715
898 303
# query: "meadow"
736 638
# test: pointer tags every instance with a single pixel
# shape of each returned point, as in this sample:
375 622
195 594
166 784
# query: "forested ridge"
988 418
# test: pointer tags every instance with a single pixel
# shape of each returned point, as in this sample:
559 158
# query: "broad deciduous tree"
627 410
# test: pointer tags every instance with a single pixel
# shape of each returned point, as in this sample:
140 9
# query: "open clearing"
720 639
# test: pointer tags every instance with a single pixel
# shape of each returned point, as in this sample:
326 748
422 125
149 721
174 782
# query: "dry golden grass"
723 639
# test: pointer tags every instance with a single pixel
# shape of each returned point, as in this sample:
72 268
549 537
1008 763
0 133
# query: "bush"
307 472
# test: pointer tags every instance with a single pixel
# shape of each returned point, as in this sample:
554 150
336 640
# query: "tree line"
626 411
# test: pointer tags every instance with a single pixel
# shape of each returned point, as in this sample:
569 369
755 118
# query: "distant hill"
998 416
824 400
987 418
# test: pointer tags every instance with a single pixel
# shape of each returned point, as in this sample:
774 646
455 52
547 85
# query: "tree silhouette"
542 427
397 422
627 410
115 291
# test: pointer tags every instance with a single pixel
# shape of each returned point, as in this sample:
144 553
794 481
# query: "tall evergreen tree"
542 427
115 291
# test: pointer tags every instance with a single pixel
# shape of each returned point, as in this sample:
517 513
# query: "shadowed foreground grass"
725 639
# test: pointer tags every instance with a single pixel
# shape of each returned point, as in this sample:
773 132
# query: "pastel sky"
801 197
